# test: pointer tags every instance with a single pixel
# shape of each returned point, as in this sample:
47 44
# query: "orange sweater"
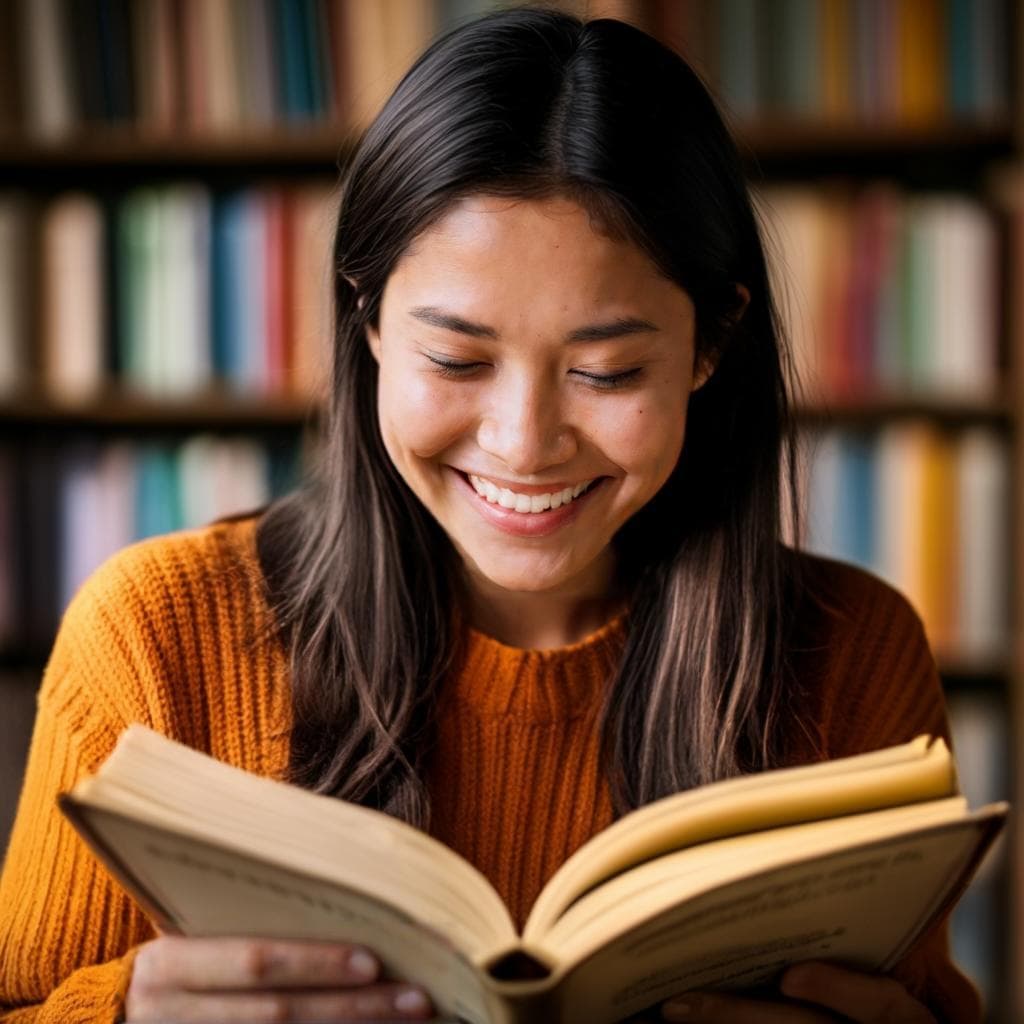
159 635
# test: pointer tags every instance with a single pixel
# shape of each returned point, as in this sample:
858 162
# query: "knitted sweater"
163 634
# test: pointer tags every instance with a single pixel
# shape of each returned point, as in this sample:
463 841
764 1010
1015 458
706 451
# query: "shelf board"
216 409
781 136
104 146
874 410
321 144
962 675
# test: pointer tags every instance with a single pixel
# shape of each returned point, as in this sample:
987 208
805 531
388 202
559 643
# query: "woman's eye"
452 367
609 380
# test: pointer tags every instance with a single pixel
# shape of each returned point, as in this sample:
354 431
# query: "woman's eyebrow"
617 328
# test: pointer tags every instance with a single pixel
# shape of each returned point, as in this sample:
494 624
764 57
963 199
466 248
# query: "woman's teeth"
525 502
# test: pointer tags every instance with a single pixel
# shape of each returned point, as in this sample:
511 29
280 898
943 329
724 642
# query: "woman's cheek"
430 416
644 436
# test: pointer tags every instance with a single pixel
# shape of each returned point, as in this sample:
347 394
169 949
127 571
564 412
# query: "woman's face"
534 379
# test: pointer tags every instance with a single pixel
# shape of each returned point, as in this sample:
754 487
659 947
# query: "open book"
724 885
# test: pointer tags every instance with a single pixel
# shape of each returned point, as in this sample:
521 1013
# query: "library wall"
167 175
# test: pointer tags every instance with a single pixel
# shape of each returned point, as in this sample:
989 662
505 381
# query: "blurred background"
167 175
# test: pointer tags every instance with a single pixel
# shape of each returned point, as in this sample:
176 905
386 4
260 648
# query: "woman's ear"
743 297
705 365
372 337
360 298
373 340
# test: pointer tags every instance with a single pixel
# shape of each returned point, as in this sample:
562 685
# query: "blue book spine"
738 56
158 496
960 56
220 263
296 101
858 505
312 29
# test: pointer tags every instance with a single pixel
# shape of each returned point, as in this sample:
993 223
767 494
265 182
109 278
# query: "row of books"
885 292
64 510
215 64
927 510
850 61
167 290
207 65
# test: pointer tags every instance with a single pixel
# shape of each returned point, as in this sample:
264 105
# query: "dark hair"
535 103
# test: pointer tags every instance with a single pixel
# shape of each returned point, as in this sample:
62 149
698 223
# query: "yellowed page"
630 898
165 784
915 771
860 905
202 890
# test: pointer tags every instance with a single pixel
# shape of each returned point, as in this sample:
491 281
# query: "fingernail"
362 965
679 1009
411 1000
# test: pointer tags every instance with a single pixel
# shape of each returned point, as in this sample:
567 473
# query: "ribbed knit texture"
173 633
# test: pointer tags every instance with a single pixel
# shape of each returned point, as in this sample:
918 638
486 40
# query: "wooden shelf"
104 146
961 675
320 145
871 411
788 136
213 410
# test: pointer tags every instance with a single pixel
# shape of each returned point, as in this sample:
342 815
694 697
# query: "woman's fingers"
208 964
865 998
836 993
262 981
389 1002
722 1008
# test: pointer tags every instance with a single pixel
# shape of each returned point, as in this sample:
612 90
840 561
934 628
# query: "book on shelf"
168 290
980 734
719 886
883 292
209 65
926 510
64 509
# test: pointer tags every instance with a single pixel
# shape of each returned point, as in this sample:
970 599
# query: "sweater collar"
494 679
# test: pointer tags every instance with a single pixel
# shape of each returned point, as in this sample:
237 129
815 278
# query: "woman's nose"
525 428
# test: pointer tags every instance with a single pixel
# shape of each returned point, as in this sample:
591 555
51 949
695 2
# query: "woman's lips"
525 524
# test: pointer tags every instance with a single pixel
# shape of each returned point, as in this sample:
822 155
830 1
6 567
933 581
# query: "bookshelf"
937 127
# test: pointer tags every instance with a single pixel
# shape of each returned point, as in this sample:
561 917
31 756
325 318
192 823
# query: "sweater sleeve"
881 687
68 932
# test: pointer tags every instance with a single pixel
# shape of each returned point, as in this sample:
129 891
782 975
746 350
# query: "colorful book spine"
928 512
884 293
261 63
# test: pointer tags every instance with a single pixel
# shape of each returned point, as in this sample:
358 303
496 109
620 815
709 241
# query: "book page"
199 890
912 772
860 905
153 779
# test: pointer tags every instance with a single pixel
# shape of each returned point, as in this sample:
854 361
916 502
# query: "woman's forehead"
505 247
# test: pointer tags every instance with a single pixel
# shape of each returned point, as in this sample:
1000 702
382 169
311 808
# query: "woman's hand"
823 994
264 980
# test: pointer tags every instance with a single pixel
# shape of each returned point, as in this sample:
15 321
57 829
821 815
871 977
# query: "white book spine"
983 498
48 100
74 310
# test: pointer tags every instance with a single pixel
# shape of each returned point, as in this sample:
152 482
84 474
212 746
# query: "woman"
537 580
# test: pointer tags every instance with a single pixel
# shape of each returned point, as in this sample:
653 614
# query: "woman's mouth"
532 503
541 512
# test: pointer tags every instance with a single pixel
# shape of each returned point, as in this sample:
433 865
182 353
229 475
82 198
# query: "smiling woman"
537 578
552 391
